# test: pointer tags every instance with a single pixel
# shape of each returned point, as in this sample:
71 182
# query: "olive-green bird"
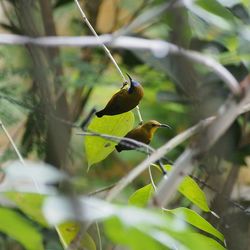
124 100
143 133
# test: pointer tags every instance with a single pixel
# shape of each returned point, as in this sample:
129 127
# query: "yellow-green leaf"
69 230
30 204
97 149
196 220
16 226
191 190
141 196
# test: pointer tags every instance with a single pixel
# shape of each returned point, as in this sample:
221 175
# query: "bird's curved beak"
130 79
126 83
164 126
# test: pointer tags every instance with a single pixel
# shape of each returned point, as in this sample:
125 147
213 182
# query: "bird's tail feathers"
117 147
99 113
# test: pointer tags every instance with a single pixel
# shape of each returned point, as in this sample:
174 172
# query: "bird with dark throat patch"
143 133
124 100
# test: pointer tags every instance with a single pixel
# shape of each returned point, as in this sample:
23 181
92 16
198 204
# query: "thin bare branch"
159 48
140 146
100 190
245 109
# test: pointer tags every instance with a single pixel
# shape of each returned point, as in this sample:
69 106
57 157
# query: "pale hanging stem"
99 235
150 174
85 19
139 115
18 153
151 178
12 143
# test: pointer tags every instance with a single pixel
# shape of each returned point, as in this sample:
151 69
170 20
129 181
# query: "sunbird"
143 133
124 100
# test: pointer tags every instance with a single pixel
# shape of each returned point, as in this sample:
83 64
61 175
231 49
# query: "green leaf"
97 149
228 58
69 230
130 236
208 243
30 204
191 190
19 228
132 226
213 13
216 8
141 196
196 220
229 3
140 230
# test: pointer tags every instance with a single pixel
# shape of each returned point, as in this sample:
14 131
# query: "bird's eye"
153 125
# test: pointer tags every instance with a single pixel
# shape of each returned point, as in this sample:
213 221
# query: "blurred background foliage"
38 84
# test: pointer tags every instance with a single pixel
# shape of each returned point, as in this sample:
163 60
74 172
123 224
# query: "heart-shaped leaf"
97 148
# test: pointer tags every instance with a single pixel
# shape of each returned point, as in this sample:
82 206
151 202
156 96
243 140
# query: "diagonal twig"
183 166
159 153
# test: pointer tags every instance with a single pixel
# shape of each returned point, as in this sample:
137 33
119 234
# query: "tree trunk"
58 134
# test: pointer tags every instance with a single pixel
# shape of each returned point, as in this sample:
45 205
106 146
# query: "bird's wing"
138 135
135 134
120 95
118 99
